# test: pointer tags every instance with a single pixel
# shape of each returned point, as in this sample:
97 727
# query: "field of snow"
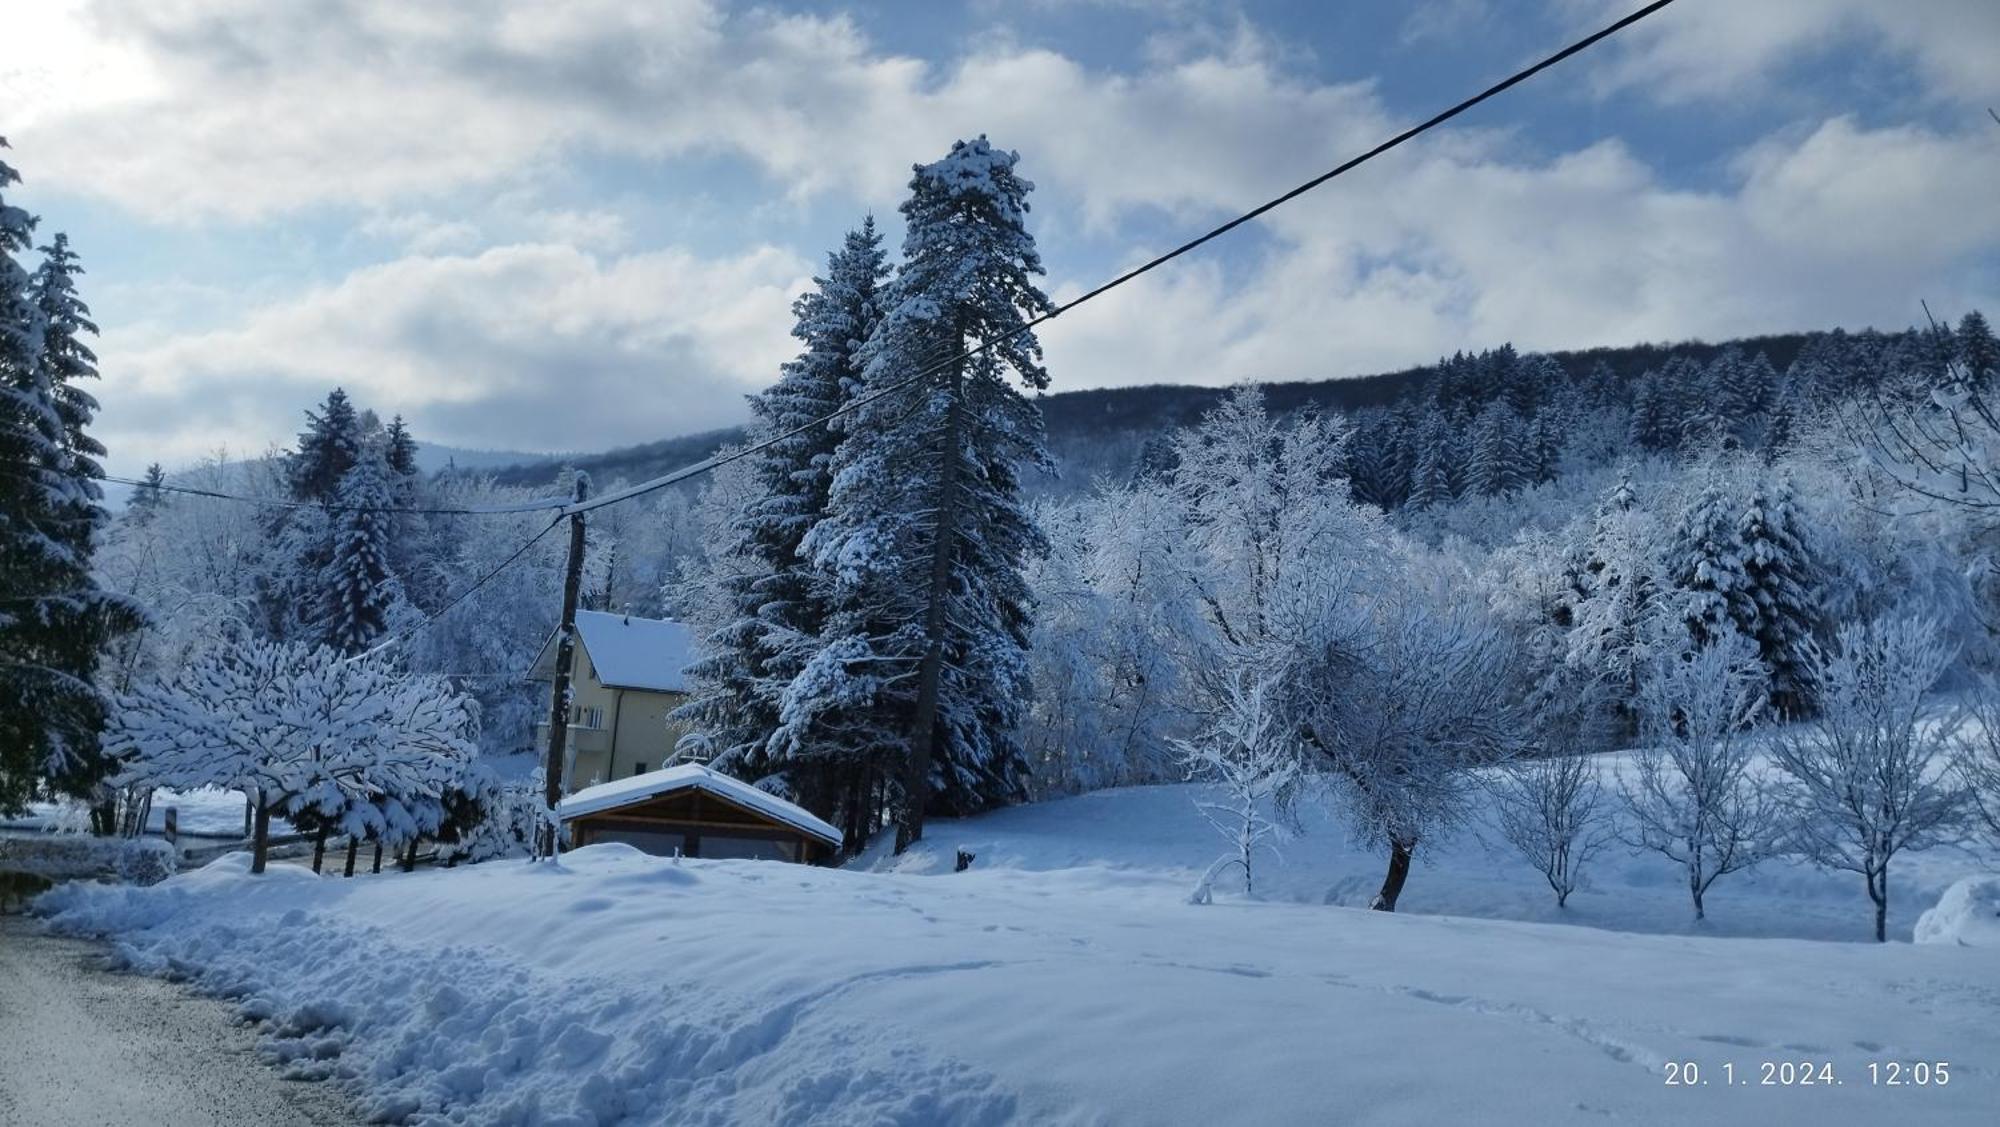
1064 979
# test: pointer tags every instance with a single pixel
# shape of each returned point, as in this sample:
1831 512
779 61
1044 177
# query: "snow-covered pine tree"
358 593
1779 578
1496 467
967 275
1978 352
1652 426
54 619
780 600
329 446
1706 566
1430 466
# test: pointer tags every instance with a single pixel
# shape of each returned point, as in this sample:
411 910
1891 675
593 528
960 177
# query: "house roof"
628 652
694 776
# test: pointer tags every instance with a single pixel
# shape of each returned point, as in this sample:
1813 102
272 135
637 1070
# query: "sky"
567 227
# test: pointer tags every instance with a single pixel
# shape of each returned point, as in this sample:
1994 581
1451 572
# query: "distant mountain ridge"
1091 431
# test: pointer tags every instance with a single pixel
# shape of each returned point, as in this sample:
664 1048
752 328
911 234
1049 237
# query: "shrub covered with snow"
1967 915
72 857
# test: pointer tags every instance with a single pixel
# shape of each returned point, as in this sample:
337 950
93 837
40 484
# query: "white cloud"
1718 50
531 347
255 109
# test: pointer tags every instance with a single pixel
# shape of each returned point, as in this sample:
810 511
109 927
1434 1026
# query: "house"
629 673
692 811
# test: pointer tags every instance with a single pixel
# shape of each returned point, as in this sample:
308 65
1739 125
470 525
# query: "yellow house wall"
635 728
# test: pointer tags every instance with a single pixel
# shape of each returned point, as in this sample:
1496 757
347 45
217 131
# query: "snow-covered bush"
348 745
1691 794
1867 775
1967 915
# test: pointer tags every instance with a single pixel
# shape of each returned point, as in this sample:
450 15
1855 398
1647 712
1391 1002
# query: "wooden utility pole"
565 660
917 774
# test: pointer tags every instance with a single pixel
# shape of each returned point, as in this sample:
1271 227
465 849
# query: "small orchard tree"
1867 776
1551 807
1691 792
1248 751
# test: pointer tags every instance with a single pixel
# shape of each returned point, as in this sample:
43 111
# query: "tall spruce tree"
781 600
1430 466
1705 563
1779 577
329 446
967 276
1497 467
358 593
54 619
1978 352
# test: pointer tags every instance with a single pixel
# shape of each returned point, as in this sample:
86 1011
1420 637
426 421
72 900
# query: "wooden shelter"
692 811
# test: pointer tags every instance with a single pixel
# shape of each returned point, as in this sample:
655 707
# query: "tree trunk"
249 814
378 856
410 857
353 847
319 849
1392 883
1878 892
260 834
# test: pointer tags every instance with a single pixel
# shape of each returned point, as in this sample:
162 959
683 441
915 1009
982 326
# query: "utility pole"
917 775
565 661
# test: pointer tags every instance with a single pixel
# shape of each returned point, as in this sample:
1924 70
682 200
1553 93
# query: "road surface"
82 1045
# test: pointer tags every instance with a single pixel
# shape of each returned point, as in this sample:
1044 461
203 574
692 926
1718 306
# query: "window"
639 768
580 717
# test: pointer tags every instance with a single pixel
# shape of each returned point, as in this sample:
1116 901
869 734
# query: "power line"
424 623
538 504
1267 206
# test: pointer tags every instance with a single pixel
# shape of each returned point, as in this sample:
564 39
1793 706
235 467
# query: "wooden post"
917 773
550 834
171 827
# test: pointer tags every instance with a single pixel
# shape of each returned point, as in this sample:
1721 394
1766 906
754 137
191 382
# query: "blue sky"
574 226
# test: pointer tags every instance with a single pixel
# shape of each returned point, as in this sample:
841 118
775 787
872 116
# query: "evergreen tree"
1706 565
967 275
399 452
150 496
1497 467
1978 352
780 601
1651 428
328 448
358 594
1545 446
1430 468
54 619
1779 578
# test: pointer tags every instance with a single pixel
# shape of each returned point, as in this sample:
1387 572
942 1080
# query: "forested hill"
1101 430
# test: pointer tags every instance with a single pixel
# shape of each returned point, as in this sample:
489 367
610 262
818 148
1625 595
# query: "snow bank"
618 987
1967 915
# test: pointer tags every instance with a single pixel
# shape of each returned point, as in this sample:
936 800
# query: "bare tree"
1868 774
1977 761
1247 750
1552 810
1691 792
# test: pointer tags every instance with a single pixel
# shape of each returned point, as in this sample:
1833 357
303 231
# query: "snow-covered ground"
1064 979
